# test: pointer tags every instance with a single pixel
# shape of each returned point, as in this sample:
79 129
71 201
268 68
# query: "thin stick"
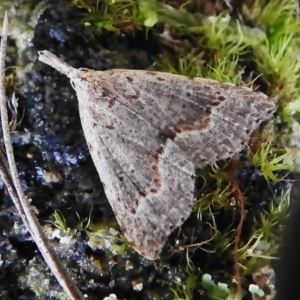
4 172
16 191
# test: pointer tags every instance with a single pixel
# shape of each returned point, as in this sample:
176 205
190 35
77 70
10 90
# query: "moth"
148 131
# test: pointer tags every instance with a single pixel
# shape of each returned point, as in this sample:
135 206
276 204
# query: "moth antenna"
56 63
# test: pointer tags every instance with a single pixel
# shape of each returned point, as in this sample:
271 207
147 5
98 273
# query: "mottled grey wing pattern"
147 131
150 190
146 215
209 120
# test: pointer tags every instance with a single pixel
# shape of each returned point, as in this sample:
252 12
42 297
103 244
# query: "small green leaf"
150 19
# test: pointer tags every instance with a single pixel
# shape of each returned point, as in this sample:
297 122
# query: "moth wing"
208 120
147 131
150 192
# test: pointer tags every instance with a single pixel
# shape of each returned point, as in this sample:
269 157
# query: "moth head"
80 81
95 83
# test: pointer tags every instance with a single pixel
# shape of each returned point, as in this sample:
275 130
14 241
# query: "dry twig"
10 177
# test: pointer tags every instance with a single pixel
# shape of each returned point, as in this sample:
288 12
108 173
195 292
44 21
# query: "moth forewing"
132 191
148 131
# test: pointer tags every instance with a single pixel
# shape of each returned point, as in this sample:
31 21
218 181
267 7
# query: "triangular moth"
148 131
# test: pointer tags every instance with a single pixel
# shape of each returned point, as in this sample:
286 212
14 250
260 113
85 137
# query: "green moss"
103 235
184 289
85 224
116 16
271 161
279 66
215 199
11 79
121 245
261 246
59 220
277 17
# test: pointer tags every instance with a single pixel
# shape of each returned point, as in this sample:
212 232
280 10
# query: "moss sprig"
271 161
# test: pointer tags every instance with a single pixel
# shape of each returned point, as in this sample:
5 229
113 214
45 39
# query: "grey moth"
148 131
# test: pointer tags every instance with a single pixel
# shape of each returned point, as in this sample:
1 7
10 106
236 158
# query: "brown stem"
10 177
